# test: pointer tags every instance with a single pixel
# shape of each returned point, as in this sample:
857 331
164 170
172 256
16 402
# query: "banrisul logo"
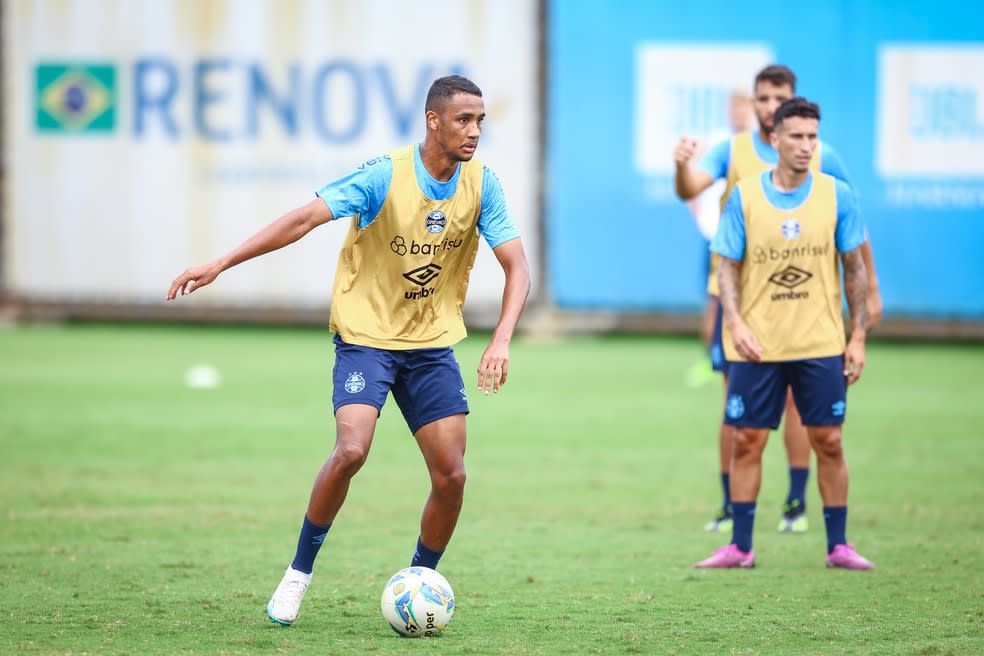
75 97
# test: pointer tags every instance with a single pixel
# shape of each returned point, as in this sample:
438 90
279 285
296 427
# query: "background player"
745 155
705 208
780 284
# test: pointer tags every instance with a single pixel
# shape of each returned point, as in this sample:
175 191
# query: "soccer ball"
417 602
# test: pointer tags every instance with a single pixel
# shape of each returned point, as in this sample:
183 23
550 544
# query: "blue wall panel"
617 238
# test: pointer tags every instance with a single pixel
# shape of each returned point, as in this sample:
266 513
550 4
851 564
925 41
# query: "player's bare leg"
746 463
798 451
832 478
726 439
354 428
831 464
722 522
726 434
442 444
795 436
746 478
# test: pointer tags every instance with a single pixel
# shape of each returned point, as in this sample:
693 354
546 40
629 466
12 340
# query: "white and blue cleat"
285 604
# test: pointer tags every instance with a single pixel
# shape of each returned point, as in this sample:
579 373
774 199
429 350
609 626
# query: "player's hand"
853 360
684 150
746 343
875 307
193 278
493 367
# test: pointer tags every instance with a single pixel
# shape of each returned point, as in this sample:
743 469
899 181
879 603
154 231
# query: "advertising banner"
901 91
144 137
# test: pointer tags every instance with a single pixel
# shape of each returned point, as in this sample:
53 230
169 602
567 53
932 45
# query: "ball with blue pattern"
418 602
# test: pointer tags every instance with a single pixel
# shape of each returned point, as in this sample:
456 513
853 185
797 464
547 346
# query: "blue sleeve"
850 228
495 223
360 193
715 161
832 164
729 240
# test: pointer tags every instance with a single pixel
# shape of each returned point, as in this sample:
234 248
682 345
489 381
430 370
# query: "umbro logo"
423 275
790 277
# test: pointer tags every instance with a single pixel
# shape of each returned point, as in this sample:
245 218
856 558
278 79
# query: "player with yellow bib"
417 215
783 237
744 155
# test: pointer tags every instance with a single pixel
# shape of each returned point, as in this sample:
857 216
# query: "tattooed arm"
729 279
856 290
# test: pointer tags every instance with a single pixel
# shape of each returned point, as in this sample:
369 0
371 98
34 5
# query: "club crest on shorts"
790 228
837 408
355 383
736 406
435 222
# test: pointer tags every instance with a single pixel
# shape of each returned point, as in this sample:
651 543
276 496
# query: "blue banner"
901 88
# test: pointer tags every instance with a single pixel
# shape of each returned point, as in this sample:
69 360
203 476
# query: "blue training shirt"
729 240
716 160
363 191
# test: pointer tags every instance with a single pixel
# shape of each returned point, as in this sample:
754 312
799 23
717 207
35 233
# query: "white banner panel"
683 89
931 110
144 137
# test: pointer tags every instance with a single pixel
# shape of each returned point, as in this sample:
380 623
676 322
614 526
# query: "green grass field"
138 516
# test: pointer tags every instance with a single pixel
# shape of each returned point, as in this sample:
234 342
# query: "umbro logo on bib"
423 275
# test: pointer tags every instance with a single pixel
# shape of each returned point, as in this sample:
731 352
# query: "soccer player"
402 275
781 236
741 156
705 208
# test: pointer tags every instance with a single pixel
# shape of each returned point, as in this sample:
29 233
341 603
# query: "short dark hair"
798 106
778 75
445 87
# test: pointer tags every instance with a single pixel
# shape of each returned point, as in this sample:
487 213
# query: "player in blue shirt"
785 237
732 159
417 217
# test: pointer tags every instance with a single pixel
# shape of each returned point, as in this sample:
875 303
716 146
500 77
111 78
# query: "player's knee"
449 482
746 444
348 458
828 444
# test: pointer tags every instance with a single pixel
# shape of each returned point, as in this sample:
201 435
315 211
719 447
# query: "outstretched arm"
729 275
494 365
286 230
856 290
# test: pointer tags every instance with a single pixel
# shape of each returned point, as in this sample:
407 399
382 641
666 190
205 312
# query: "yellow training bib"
401 281
790 284
744 162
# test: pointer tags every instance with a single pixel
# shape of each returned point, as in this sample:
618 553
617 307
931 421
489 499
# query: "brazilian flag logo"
75 97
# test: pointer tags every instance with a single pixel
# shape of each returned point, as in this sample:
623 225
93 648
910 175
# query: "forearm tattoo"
856 289
729 275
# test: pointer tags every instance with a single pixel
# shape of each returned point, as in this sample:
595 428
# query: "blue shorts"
426 383
757 392
718 361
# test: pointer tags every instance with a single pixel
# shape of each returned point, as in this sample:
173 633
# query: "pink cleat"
726 557
846 557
